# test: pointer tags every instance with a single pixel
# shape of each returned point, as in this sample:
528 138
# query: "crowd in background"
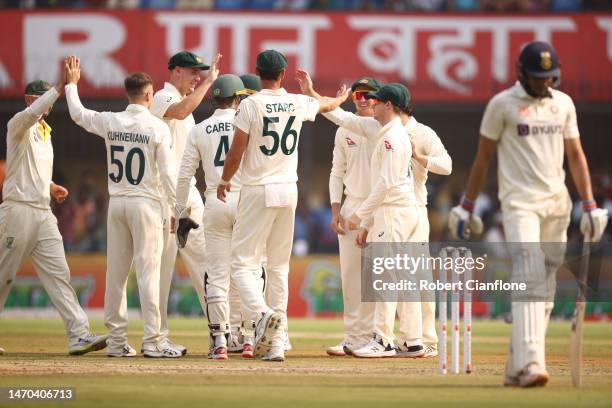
82 217
327 5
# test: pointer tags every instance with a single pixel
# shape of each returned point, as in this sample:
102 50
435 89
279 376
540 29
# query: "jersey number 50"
279 140
128 165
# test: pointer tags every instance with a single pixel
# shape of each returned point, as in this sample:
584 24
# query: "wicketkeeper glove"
593 221
462 222
185 224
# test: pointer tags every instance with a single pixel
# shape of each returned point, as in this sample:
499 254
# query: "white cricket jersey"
139 158
273 119
350 166
427 143
530 133
209 142
390 174
179 129
29 155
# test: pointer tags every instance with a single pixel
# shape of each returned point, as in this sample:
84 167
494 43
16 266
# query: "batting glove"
593 221
462 222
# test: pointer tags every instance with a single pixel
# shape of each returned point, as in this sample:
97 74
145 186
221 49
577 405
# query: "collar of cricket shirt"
224 112
392 123
280 91
137 108
411 124
44 130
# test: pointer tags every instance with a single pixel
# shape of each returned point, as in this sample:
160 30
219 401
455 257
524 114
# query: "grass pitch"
36 356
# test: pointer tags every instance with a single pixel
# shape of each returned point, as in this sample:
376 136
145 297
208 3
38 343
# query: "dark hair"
269 75
224 103
136 83
409 109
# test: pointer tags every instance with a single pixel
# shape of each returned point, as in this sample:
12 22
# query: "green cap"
271 60
186 59
226 86
368 82
251 82
37 87
391 93
405 90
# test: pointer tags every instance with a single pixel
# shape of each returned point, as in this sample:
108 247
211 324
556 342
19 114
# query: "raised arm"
189 165
89 120
326 104
32 114
184 108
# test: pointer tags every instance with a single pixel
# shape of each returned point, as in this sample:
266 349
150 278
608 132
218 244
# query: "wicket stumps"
455 253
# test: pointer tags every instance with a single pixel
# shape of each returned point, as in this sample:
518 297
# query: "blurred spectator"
194 4
230 4
597 5
565 5
463 5
427 5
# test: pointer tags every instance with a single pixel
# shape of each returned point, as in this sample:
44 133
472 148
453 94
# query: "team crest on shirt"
350 142
554 109
524 111
10 242
388 146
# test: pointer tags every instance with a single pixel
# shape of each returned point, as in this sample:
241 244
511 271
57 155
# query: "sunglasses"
357 95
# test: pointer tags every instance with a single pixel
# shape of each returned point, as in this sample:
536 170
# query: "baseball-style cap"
186 59
390 93
405 91
227 85
539 59
368 82
37 87
271 60
251 82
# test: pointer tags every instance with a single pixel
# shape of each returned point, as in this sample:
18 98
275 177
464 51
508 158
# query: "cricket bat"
575 352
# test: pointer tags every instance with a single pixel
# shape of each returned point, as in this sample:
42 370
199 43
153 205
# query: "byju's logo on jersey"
350 142
523 129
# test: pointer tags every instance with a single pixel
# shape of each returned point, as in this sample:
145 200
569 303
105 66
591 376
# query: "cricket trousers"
536 265
263 231
428 306
29 231
395 224
358 315
193 255
134 234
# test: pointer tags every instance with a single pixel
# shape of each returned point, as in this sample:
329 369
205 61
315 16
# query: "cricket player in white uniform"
350 174
389 214
267 131
209 142
531 125
139 164
27 225
428 154
175 104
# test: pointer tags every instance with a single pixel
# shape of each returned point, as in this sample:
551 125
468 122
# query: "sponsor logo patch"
350 142
388 146
522 129
524 111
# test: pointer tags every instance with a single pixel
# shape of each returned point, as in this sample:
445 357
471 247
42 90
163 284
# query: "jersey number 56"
277 140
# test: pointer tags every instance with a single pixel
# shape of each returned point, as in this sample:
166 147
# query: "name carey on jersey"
279 107
524 129
219 127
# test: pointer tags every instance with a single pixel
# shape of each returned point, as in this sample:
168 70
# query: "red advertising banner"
456 57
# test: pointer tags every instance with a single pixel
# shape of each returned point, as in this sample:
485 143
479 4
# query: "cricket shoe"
415 351
270 328
288 346
431 350
167 343
375 349
235 344
276 353
247 351
89 343
160 350
349 348
338 349
1 351
510 381
218 353
126 351
533 376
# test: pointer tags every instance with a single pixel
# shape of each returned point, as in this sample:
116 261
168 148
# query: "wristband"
223 182
589 205
467 204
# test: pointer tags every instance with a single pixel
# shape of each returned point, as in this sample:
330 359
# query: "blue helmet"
539 59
